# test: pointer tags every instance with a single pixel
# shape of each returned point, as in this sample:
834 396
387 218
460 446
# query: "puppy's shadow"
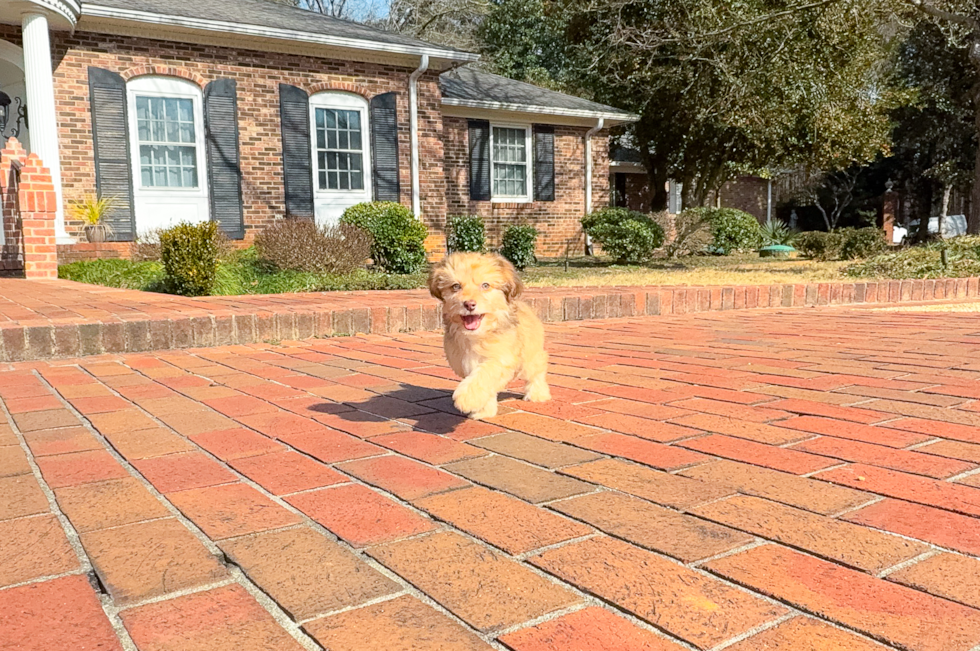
424 408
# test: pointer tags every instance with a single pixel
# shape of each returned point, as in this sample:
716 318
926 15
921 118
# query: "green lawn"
242 273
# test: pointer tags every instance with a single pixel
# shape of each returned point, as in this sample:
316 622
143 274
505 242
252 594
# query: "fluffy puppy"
490 336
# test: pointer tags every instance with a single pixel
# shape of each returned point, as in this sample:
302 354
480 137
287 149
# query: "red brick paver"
780 481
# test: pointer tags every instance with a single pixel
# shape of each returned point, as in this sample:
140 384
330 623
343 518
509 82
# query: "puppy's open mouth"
472 321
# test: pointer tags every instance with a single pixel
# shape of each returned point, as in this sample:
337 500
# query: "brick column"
38 214
888 213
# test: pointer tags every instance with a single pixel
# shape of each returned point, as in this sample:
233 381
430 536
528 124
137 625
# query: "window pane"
321 139
190 177
186 110
354 120
344 181
356 181
342 119
146 174
331 140
357 162
333 184
331 117
355 140
342 140
160 177
323 180
142 108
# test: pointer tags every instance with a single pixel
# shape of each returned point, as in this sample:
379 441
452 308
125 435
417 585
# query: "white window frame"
344 102
529 164
176 88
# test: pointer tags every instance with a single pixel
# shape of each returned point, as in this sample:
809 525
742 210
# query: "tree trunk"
973 219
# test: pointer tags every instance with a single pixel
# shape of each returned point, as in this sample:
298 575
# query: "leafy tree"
720 87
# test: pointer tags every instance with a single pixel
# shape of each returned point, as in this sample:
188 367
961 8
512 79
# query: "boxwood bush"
399 238
628 236
190 257
731 230
466 233
844 244
861 243
518 245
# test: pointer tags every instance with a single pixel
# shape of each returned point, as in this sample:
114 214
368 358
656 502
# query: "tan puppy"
491 337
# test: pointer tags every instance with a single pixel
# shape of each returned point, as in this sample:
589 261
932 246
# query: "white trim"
528 164
588 166
100 11
328 204
543 110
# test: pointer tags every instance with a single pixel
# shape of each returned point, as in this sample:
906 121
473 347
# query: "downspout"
413 126
769 204
588 176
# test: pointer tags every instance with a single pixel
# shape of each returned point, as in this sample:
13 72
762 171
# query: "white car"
954 226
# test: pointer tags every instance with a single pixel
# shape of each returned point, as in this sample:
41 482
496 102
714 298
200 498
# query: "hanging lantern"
4 111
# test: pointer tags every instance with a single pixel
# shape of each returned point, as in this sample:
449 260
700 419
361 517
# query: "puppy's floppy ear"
437 278
513 286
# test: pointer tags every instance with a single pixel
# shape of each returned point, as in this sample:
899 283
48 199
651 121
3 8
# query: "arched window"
341 152
166 121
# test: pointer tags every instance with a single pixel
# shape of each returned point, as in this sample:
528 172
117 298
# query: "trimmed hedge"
518 245
731 230
628 236
399 238
190 257
466 233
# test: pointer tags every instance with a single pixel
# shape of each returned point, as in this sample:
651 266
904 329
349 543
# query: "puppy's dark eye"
486 285
457 287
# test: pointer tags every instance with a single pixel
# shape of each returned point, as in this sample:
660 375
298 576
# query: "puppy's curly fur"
490 337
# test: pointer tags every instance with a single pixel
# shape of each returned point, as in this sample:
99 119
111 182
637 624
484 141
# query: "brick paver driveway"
796 480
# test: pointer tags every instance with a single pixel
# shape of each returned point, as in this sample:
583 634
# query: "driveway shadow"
424 408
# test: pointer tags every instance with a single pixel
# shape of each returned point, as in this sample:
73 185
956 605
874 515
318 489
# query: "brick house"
246 112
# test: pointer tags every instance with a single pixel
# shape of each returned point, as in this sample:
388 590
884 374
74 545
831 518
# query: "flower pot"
95 233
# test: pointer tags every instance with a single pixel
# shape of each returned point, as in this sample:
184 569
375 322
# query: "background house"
248 112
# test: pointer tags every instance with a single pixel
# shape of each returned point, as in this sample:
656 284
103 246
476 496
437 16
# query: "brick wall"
30 207
557 221
747 193
258 75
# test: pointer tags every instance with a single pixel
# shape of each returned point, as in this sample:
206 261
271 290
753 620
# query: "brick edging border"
56 341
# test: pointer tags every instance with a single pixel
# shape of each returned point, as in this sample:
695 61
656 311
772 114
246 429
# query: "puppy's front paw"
488 411
468 398
537 392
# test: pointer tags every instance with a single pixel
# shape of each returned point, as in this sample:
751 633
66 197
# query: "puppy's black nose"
469 305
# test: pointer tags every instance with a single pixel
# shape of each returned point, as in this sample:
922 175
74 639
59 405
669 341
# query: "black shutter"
384 147
110 136
479 160
297 156
544 163
224 165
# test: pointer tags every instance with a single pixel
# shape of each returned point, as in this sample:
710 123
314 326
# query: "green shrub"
303 245
518 245
777 233
630 237
691 233
732 230
861 243
923 261
399 238
466 233
190 257
819 245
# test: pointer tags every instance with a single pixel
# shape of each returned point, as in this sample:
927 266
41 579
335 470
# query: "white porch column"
41 107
